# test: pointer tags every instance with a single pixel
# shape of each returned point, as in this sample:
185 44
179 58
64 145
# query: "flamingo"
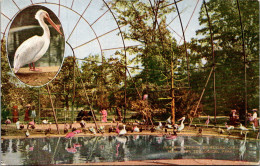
117 128
123 131
70 135
229 127
207 121
35 47
182 125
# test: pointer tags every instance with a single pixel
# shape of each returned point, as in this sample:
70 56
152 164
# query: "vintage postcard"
130 82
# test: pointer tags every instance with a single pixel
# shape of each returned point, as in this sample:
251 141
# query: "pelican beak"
57 27
180 119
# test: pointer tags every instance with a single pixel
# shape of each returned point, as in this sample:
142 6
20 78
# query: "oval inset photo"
35 45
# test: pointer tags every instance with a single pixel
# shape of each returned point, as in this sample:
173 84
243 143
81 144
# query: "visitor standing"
119 114
255 120
104 115
27 112
15 114
33 113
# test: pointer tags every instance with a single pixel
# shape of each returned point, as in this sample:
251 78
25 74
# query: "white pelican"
182 125
242 128
35 47
123 131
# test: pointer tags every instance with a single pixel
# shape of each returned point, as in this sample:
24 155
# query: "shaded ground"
37 78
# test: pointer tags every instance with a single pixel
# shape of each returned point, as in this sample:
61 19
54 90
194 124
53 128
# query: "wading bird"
123 131
182 125
207 121
229 128
242 128
35 47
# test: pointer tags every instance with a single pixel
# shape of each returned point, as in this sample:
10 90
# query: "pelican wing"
27 51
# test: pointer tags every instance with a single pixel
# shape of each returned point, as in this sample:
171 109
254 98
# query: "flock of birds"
162 127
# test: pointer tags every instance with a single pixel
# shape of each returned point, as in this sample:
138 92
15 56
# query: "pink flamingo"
76 145
117 128
70 135
207 121
117 146
77 131
32 124
71 150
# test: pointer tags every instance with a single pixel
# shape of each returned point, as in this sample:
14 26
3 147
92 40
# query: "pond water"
60 150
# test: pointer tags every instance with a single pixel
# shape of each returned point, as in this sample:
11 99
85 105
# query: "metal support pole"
245 61
202 94
54 113
172 92
183 33
214 64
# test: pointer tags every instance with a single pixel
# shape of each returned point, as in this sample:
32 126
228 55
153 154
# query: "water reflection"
114 148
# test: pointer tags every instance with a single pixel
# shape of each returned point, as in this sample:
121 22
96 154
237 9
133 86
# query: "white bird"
92 130
35 47
17 125
169 126
169 120
102 129
159 127
181 127
45 121
27 133
242 128
253 127
123 131
136 129
229 127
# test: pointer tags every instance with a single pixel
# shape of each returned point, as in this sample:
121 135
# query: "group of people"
84 115
252 117
29 113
